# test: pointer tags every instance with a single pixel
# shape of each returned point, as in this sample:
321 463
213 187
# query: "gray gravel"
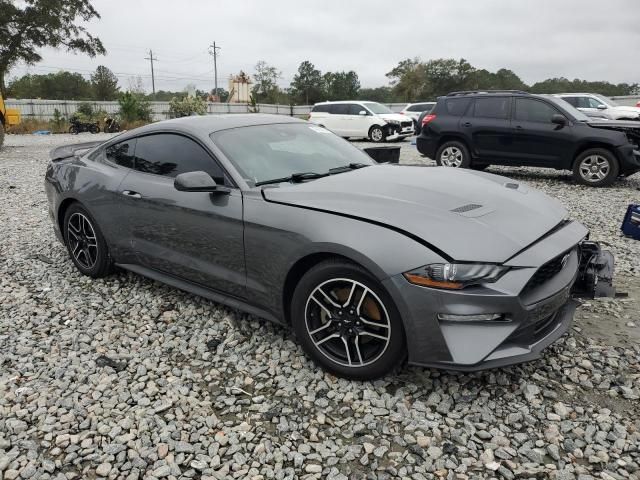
126 378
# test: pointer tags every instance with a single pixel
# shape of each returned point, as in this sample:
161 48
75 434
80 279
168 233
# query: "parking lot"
127 378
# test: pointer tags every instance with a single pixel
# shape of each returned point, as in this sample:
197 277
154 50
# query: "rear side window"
320 108
170 155
457 106
340 109
121 153
492 107
529 110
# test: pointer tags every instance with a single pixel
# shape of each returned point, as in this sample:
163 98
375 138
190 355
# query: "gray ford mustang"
370 264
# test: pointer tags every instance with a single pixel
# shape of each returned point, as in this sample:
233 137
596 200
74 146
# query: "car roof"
575 93
344 101
207 124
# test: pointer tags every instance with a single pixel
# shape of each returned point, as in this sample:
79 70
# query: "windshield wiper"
293 178
300 177
346 168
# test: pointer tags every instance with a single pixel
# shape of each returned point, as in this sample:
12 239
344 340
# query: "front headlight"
454 276
393 122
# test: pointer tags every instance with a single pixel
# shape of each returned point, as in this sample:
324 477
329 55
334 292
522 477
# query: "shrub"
134 107
85 109
184 107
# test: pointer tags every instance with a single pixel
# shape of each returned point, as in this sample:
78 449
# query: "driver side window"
528 110
169 155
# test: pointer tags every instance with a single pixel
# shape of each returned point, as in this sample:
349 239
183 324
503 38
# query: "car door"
339 119
487 124
196 236
358 125
536 140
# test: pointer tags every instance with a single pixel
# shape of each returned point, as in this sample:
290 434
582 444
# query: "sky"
537 39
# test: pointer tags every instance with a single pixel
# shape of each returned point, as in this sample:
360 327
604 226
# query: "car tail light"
428 118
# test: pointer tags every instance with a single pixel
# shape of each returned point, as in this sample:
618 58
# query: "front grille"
406 124
546 272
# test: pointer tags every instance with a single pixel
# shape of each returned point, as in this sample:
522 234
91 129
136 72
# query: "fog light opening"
479 317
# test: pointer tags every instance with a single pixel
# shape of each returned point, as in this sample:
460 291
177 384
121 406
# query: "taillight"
428 118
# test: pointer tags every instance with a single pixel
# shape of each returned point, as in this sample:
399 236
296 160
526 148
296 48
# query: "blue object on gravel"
42 132
631 222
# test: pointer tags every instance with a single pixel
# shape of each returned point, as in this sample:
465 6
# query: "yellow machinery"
8 117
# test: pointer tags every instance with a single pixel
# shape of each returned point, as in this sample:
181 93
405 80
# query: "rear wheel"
453 154
376 134
85 242
73 130
596 167
346 322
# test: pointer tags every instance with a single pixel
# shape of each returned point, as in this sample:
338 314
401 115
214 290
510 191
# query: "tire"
95 129
453 154
596 167
374 339
376 134
1 134
73 130
83 236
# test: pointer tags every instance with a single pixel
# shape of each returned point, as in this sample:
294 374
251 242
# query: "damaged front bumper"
530 314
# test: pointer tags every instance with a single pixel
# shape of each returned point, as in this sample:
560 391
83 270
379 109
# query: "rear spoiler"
75 150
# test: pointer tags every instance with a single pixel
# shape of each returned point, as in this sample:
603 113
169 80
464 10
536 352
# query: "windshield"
570 109
376 107
265 152
606 100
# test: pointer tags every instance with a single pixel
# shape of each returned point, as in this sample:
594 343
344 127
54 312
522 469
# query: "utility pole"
153 78
213 51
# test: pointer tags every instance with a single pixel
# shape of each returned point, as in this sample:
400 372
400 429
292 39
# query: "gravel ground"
126 378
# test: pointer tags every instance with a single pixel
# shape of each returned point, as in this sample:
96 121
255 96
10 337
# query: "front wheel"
85 243
453 154
376 134
73 130
596 167
346 322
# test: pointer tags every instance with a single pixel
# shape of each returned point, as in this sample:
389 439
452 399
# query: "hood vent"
466 208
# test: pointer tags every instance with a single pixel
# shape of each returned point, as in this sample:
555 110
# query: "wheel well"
62 209
296 272
590 145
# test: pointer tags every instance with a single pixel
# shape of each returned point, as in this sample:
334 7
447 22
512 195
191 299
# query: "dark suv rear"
477 129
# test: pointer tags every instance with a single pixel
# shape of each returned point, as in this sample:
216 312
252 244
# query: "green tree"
61 85
341 85
105 84
184 107
266 88
307 84
378 94
409 79
29 25
134 107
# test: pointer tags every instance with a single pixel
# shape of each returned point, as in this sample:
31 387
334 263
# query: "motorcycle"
78 126
111 125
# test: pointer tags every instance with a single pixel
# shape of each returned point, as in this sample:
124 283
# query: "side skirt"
196 289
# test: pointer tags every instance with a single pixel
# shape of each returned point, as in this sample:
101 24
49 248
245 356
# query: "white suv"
595 105
361 119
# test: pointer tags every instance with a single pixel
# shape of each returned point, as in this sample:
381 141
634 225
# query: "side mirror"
197 182
601 107
559 119
362 112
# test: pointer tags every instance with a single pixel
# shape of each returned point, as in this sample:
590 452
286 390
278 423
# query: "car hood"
624 108
467 215
393 116
633 124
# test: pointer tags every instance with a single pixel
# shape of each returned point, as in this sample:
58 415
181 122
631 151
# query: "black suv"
478 129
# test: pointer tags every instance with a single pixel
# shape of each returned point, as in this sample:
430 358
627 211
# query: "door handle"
466 124
131 194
